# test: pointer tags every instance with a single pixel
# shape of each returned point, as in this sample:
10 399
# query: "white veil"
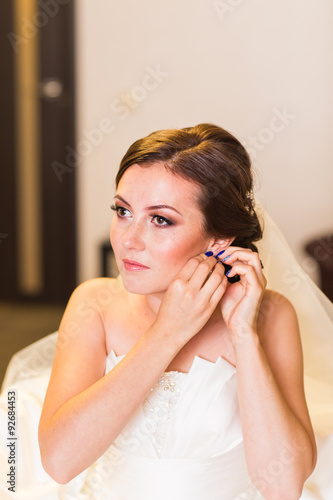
315 316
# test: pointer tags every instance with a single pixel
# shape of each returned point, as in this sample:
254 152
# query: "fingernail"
225 258
220 253
219 262
209 254
228 272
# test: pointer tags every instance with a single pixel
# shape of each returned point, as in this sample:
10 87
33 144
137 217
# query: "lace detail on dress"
160 404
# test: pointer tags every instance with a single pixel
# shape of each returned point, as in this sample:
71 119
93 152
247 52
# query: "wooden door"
37 100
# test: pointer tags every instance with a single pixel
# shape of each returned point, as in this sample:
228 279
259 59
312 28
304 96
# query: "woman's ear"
218 245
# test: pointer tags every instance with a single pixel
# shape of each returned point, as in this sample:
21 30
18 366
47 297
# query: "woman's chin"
140 285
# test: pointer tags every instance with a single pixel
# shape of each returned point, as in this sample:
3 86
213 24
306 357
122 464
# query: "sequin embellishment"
160 404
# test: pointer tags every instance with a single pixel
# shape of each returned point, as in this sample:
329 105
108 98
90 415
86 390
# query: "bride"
187 351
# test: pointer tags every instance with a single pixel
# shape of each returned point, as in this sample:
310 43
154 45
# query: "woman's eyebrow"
152 207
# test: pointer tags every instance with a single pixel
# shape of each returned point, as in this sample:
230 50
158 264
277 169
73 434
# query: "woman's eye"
163 219
160 221
121 210
117 209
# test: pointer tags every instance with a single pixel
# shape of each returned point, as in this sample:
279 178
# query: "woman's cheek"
177 254
115 235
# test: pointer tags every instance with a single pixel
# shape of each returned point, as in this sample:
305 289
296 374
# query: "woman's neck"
149 306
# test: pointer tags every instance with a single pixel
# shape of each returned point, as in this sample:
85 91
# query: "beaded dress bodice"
160 404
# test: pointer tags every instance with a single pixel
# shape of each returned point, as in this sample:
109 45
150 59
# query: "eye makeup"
168 222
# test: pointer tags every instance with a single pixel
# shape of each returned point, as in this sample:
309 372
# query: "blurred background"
82 80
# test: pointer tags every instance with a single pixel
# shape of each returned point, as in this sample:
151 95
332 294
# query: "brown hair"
216 161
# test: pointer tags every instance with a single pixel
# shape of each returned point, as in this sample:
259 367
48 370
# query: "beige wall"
240 64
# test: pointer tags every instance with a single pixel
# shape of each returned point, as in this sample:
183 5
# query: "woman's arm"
84 411
278 437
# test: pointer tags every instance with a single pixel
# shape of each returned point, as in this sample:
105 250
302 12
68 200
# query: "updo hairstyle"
217 162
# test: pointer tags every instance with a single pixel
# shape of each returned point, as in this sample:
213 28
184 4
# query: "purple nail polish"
225 258
220 253
228 272
209 254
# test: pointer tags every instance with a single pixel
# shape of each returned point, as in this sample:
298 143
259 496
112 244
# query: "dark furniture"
321 250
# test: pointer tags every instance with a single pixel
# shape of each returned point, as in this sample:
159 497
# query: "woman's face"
162 239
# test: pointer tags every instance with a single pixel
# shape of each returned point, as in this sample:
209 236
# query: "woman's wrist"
245 337
166 338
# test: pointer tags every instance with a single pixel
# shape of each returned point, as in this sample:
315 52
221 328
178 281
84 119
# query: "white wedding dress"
184 442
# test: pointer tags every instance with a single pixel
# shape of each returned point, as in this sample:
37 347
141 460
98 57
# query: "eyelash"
116 208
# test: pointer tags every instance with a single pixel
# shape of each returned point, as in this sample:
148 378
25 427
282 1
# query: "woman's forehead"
155 182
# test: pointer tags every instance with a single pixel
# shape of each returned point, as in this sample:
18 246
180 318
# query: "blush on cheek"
177 256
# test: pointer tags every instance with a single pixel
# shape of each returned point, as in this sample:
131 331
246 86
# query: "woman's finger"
218 291
191 265
244 255
249 273
214 279
202 272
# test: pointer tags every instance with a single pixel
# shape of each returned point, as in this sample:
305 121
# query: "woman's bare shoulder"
100 286
277 317
103 305
98 293
274 304
88 302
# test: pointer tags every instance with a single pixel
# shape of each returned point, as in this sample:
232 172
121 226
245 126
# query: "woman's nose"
133 237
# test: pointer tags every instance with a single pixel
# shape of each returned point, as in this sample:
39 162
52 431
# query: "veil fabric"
315 316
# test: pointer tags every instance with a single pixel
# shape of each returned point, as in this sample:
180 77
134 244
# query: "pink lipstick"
133 265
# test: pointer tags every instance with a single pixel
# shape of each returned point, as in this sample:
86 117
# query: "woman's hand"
241 300
191 298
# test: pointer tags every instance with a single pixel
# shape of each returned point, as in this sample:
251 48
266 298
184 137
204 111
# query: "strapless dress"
184 442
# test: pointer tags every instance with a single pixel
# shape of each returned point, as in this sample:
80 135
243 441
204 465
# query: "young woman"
184 377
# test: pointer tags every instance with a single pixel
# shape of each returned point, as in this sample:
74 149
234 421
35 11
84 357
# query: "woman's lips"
132 265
